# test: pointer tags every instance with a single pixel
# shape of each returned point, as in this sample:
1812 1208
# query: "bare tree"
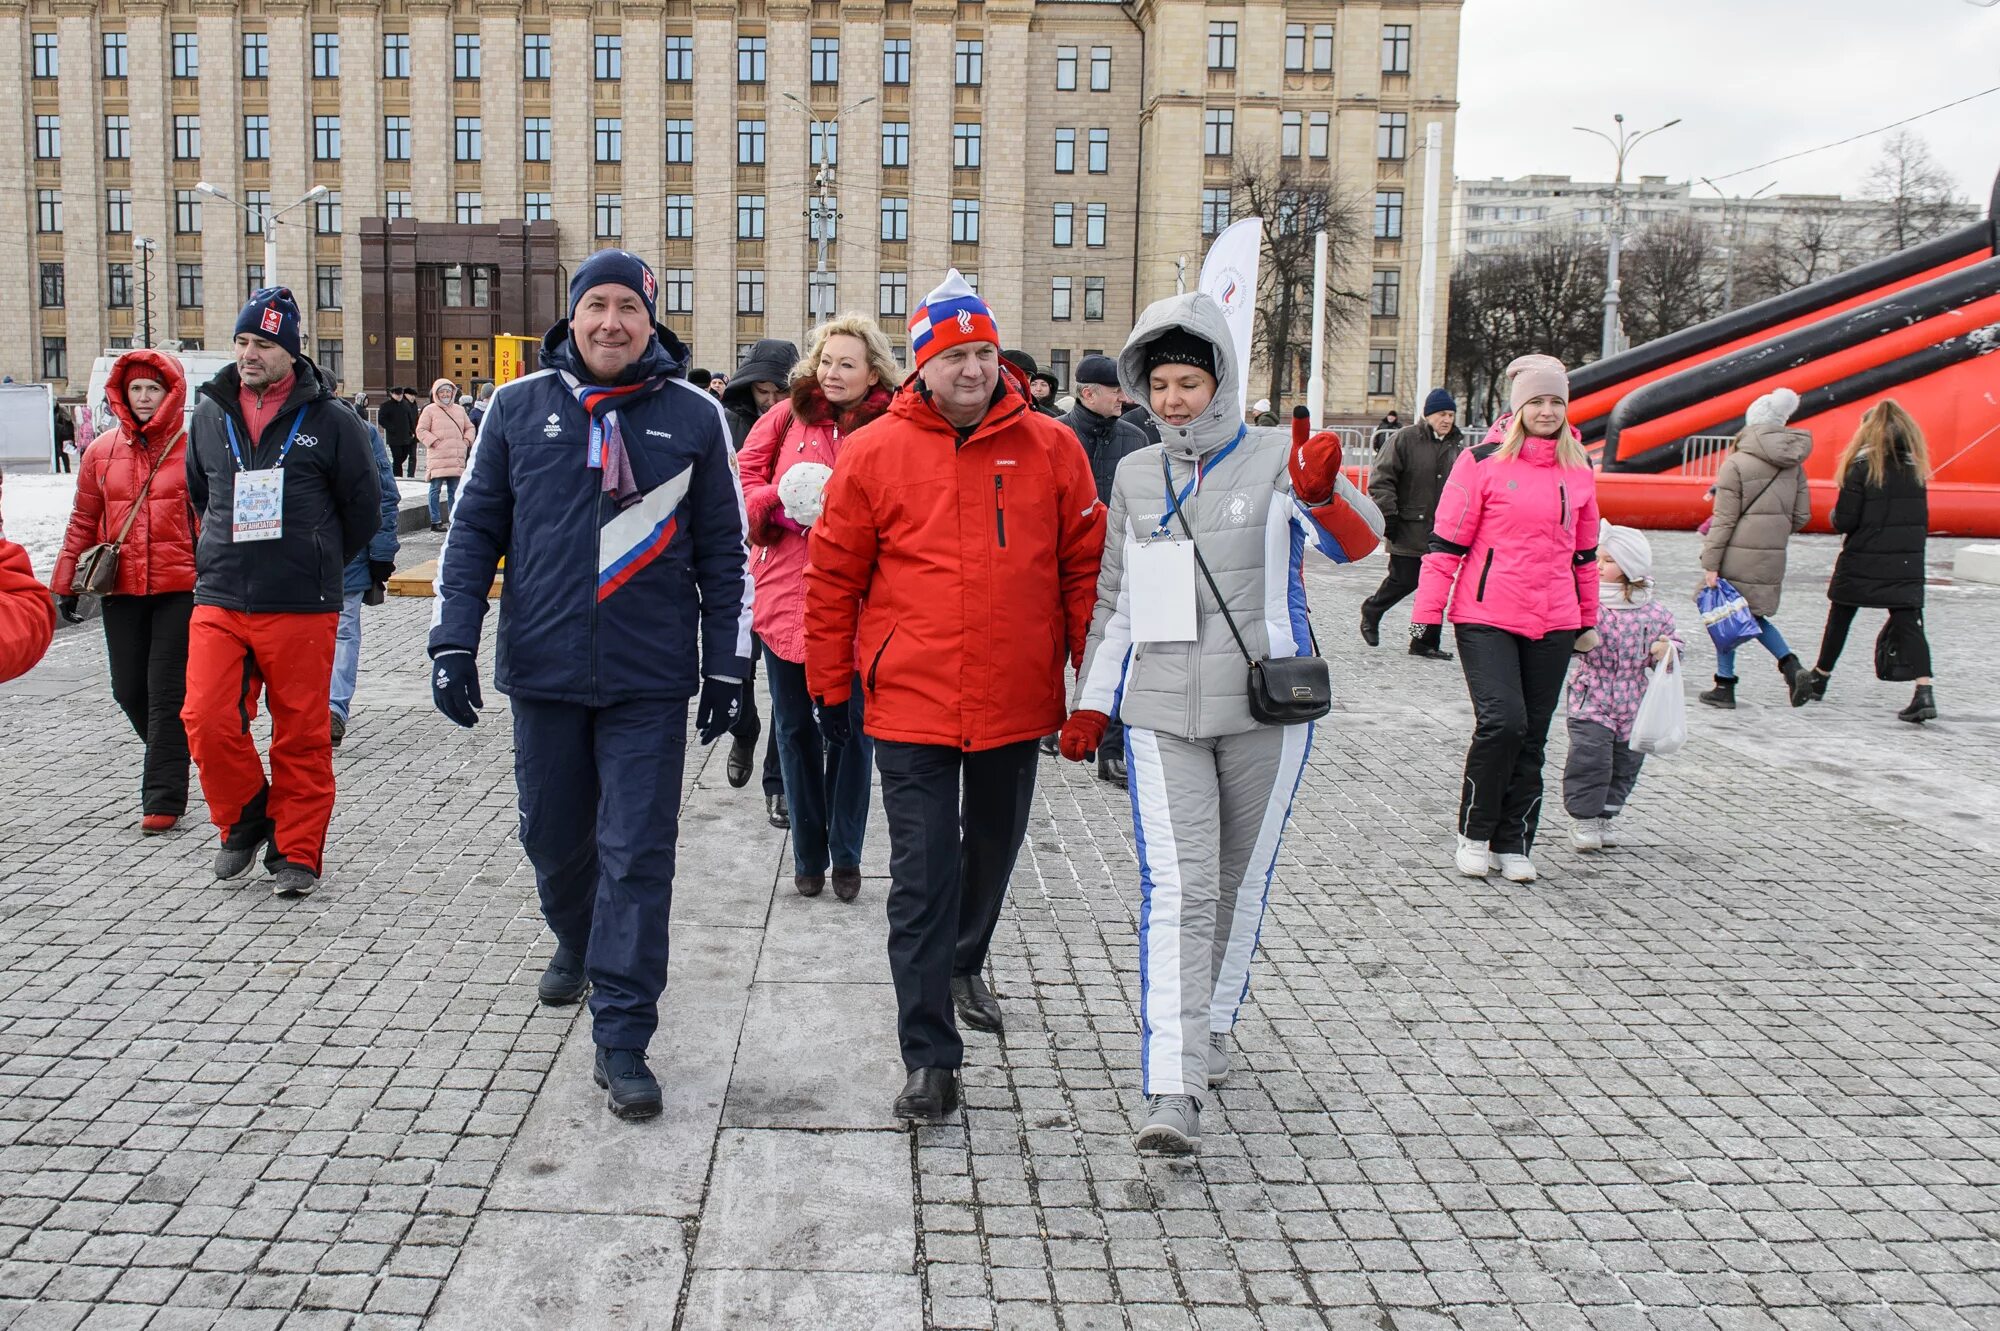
1920 197
1296 200
1812 242
1545 295
1670 278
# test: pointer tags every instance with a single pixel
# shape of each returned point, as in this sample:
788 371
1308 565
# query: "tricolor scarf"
607 442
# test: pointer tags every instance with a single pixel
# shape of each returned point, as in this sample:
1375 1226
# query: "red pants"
290 657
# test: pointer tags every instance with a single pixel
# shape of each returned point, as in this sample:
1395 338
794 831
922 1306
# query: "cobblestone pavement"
1739 1073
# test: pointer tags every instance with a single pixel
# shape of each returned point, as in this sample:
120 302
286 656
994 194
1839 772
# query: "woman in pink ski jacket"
1513 560
843 382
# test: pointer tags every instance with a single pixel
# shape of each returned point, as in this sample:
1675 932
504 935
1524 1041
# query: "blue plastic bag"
1726 615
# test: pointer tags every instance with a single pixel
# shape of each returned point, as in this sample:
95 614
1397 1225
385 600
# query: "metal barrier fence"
1702 454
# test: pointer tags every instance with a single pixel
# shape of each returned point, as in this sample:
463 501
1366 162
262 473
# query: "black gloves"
379 571
836 724
455 686
721 706
66 606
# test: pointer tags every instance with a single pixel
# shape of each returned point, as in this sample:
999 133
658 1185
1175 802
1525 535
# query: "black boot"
977 1007
564 981
1723 695
1426 640
1789 667
1371 628
776 812
1111 767
929 1096
635 1092
1922 708
1808 686
742 754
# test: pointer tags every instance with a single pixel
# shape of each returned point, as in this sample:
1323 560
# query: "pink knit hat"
1531 377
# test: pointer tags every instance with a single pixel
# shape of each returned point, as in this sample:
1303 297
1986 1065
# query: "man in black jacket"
398 419
282 476
1405 483
1106 438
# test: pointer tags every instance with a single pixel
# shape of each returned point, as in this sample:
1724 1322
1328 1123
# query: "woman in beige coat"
445 431
1761 499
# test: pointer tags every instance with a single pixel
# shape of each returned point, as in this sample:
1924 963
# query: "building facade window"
750 52
965 221
893 295
253 280
1059 298
257 139
46 64
895 219
1295 48
1093 298
896 61
48 137
255 203
1065 69
187 55
1396 48
1381 371
537 57
256 55
1062 227
826 60
968 63
750 143
187 212
610 215
610 138
1059 367
326 286
1291 133
1100 69
118 211
1095 223
1318 128
465 56
1065 151
822 217
326 213
1218 133
895 143
396 203
680 216
749 290
1392 136
536 138
396 138
187 285
395 55
680 59
52 286
1388 214
118 284
677 290
48 210
965 143
326 55
187 137
326 138
1222 46
607 58
822 294
115 53
1322 48
749 217
823 143
680 142
467 139
1385 293
468 208
1100 151
538 206
118 137
55 358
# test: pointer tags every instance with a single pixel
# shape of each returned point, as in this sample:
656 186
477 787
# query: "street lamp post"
1622 145
145 245
1730 236
267 219
822 213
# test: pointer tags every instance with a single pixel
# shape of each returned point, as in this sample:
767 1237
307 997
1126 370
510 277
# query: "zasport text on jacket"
332 500
1256 503
600 604
969 564
158 553
1514 546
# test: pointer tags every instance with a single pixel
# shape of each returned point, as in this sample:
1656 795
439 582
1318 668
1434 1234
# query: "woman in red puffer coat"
146 617
842 383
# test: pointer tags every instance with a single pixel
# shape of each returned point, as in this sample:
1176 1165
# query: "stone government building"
1063 155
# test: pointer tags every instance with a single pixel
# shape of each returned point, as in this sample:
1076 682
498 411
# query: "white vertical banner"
1229 274
1316 384
1427 273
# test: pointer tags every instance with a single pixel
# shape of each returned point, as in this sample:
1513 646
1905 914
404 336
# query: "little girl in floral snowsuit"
1633 631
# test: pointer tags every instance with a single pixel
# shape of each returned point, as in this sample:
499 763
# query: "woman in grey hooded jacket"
1211 786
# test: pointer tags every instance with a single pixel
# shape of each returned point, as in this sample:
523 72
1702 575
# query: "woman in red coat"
146 617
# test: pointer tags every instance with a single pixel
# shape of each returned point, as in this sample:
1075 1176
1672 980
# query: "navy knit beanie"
615 268
273 315
1439 400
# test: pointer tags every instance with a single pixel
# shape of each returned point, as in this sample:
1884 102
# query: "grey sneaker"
1172 1127
293 880
1218 1058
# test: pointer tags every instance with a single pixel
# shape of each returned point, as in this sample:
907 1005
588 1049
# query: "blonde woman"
843 382
1883 515
1513 558
446 433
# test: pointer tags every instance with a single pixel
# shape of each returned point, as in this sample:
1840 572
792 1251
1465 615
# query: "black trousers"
956 821
1515 683
1907 621
1402 580
146 638
403 456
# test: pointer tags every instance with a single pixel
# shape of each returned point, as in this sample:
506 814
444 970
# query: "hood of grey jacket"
1197 312
1778 445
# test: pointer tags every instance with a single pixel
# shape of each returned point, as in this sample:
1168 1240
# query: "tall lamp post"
1623 144
822 213
145 245
1730 234
267 218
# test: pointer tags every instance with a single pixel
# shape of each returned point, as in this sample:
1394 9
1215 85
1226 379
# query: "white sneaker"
1218 1058
1473 858
1605 836
1516 868
1586 834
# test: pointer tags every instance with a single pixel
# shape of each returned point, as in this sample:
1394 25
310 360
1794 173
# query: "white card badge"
1159 576
260 506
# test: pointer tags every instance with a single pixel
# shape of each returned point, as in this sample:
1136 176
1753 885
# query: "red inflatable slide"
1921 326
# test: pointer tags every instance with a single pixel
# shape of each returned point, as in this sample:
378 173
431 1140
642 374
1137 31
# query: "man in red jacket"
961 535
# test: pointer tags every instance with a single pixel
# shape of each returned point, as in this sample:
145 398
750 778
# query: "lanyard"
236 450
1200 469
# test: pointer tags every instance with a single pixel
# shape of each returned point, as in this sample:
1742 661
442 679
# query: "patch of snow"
34 511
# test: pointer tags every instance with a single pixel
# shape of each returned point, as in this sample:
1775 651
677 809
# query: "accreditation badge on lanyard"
1159 582
259 510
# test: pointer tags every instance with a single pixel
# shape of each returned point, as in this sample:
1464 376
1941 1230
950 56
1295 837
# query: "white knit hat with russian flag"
951 315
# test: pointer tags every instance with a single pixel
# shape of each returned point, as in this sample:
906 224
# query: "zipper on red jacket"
876 664
1484 570
1000 509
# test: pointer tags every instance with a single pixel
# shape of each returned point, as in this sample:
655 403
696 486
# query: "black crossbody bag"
1283 691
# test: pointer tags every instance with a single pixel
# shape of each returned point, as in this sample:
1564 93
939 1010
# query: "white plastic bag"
1661 727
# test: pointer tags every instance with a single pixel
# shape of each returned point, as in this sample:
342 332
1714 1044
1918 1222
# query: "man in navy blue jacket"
604 480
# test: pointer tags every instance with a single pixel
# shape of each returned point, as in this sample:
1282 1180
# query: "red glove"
1314 464
1082 733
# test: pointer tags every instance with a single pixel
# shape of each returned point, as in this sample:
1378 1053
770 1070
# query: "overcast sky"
1750 79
